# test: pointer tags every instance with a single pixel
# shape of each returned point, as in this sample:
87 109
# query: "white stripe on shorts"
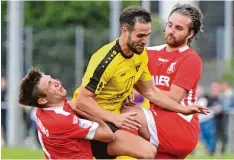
151 127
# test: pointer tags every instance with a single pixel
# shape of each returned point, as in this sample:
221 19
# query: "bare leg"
143 131
128 144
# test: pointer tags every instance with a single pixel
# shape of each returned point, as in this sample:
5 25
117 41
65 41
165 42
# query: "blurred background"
60 37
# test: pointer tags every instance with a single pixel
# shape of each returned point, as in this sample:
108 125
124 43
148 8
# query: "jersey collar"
56 108
182 49
120 50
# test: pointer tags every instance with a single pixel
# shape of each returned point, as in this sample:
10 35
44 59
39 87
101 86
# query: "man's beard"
132 48
175 43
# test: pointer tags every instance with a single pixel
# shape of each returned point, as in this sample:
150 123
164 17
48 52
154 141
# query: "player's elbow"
80 103
110 136
104 135
107 133
151 96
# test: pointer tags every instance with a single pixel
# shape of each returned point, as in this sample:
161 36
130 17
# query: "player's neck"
126 51
171 49
57 104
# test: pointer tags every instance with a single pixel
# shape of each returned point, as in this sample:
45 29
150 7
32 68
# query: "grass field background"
26 153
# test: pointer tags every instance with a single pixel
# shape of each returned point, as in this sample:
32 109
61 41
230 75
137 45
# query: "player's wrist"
180 109
112 118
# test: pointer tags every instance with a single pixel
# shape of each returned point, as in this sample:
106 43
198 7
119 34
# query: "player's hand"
127 121
192 109
130 100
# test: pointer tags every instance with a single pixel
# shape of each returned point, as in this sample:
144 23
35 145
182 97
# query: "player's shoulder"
106 53
156 48
106 48
58 113
193 54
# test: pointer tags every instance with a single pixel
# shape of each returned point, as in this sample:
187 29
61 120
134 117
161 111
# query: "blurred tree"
54 26
64 13
3 37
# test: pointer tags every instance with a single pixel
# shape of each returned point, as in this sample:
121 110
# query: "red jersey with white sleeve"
63 135
177 134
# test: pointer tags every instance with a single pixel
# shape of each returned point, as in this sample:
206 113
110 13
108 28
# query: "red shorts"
177 135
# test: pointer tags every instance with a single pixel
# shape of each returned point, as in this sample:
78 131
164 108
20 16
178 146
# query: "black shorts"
99 148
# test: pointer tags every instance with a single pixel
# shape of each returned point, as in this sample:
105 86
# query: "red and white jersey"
63 135
182 67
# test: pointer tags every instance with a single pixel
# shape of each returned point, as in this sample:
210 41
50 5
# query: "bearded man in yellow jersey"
111 74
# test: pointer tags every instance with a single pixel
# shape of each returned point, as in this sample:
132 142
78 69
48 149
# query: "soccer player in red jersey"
62 134
176 69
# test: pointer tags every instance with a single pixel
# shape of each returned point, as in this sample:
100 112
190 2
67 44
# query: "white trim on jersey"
188 118
190 97
53 108
151 126
182 49
58 110
189 101
157 48
160 47
92 131
42 145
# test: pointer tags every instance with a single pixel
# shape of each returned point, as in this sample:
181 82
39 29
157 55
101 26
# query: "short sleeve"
75 127
96 75
145 76
189 72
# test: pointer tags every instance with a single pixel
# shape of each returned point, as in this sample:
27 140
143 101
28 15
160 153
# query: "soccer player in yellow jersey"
111 74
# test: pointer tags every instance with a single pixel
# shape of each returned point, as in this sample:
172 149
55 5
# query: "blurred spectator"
207 122
226 99
34 128
3 110
27 119
31 140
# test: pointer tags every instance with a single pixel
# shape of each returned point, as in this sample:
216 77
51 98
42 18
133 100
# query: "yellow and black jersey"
111 75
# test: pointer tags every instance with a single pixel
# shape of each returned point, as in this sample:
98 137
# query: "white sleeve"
92 131
84 123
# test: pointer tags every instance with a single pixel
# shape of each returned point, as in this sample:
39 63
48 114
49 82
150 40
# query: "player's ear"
124 29
191 33
42 101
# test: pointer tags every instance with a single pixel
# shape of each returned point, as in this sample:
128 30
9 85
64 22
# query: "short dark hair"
133 14
195 15
29 93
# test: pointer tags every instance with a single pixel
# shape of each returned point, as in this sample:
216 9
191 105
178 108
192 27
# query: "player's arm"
176 93
94 80
102 132
86 103
156 96
90 87
184 80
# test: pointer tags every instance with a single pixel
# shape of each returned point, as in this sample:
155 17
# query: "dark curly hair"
133 14
195 15
29 93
